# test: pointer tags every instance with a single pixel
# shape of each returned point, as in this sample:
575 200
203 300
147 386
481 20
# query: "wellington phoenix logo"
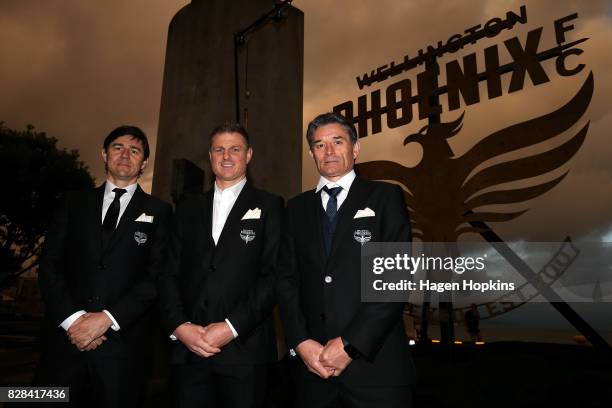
449 195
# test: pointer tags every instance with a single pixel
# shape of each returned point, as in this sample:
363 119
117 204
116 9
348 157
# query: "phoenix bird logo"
444 193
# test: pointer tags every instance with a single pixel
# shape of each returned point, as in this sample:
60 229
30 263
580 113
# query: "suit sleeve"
51 277
373 322
287 286
257 306
136 301
171 308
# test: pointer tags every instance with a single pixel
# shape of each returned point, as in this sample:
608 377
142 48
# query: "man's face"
229 156
332 151
124 160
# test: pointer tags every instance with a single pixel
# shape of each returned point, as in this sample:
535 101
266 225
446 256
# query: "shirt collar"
344 181
109 186
235 189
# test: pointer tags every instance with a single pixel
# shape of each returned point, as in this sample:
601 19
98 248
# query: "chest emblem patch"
247 235
140 237
362 236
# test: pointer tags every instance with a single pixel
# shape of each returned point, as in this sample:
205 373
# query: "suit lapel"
356 197
207 219
316 212
238 210
132 212
95 208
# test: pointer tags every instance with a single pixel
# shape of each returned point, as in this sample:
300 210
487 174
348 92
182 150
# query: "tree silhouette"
33 175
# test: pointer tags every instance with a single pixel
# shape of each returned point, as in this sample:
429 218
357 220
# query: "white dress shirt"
345 182
124 200
223 202
109 196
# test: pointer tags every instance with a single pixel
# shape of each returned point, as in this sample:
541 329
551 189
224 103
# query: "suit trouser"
207 383
332 393
98 381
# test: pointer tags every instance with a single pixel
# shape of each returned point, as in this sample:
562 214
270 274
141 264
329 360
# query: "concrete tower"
199 92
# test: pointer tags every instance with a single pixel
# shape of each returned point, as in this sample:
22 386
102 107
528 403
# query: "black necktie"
112 215
332 204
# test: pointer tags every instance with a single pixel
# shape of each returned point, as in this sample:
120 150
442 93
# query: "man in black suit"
354 354
217 291
97 278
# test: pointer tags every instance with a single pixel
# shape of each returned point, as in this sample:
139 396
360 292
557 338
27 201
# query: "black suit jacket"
203 283
76 273
320 310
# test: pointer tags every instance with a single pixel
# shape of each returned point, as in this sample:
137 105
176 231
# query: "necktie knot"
119 192
332 192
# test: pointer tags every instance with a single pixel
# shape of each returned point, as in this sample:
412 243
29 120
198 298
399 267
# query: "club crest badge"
362 236
140 237
247 235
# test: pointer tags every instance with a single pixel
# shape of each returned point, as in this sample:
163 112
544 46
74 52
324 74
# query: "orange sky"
76 69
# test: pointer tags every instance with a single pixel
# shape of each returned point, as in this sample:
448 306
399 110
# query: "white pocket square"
144 218
366 212
253 214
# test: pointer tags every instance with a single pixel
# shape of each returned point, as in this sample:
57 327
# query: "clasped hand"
204 341
325 361
87 332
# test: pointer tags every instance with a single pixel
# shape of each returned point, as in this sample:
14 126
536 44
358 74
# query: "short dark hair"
126 130
230 127
327 119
